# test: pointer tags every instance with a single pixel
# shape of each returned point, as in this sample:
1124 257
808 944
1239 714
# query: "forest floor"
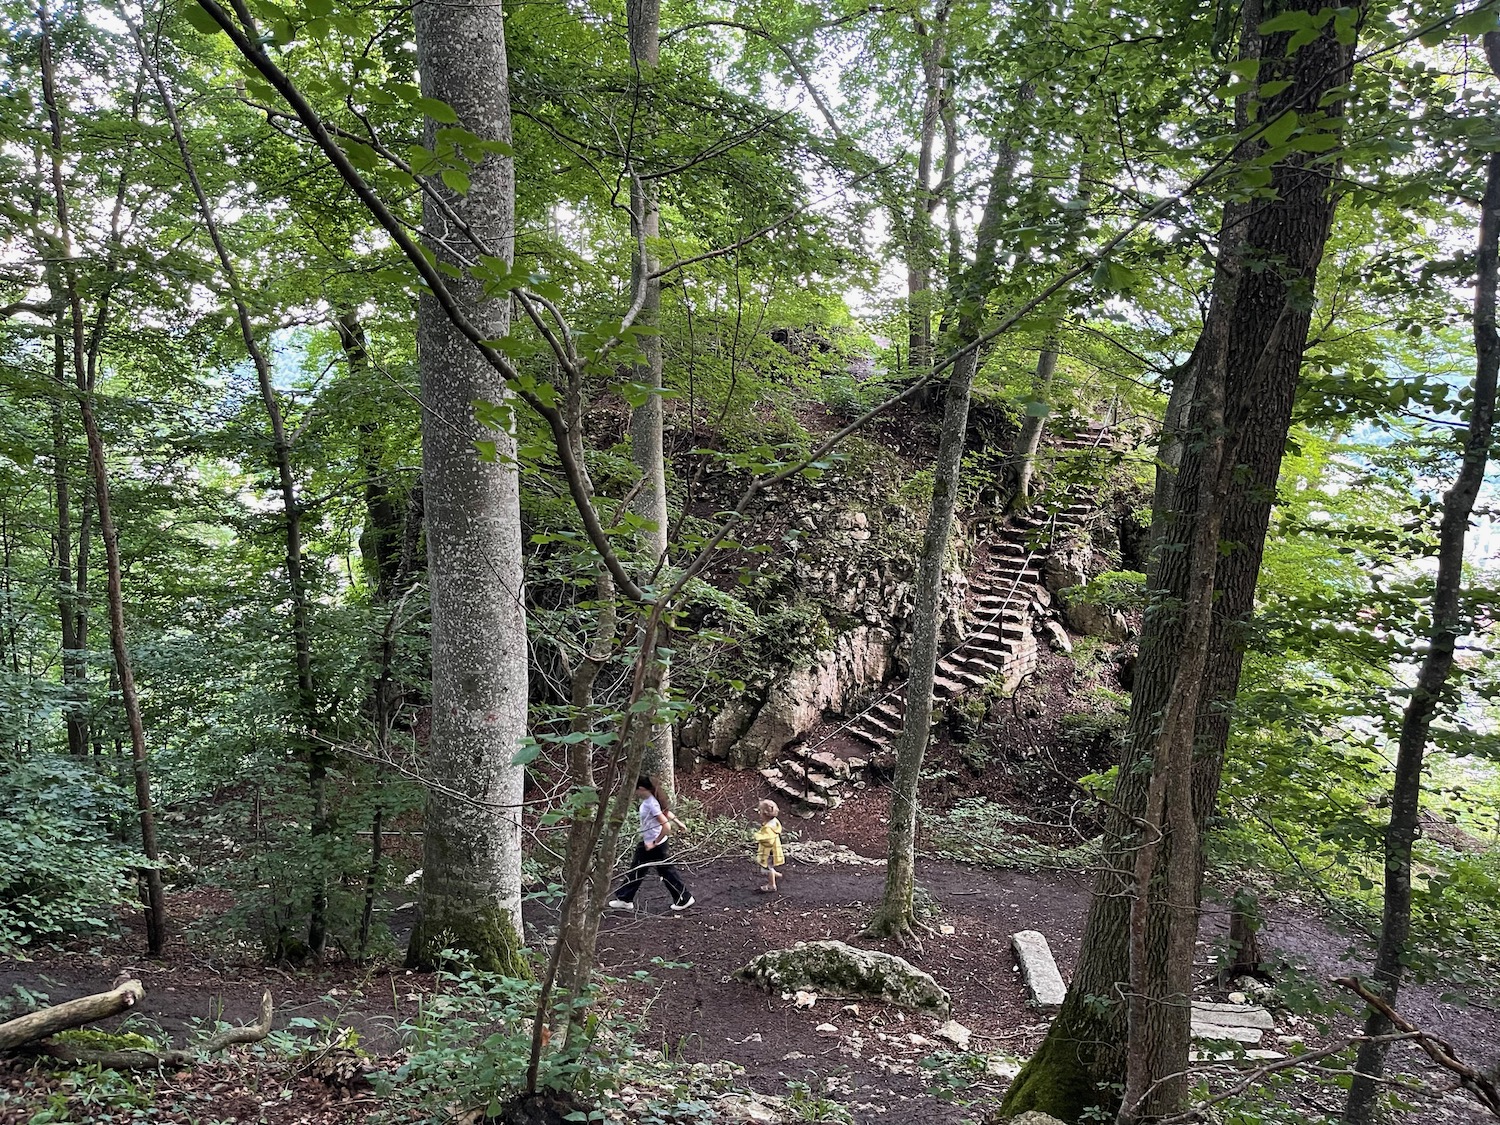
880 1065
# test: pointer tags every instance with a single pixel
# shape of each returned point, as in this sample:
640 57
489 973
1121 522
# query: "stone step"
969 677
791 791
806 780
977 661
1012 608
1004 581
1233 1015
830 764
875 737
996 654
892 711
991 634
943 687
1219 1033
875 718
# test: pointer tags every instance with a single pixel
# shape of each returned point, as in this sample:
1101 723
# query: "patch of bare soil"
875 1059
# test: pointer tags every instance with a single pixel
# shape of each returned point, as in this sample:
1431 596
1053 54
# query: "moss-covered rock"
834 966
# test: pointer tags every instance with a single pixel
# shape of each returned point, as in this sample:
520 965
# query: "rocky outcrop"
842 969
795 703
1096 621
1067 566
851 557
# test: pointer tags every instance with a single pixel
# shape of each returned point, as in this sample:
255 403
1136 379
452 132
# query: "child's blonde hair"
768 806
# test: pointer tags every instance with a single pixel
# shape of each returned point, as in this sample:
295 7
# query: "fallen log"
74 1013
133 1058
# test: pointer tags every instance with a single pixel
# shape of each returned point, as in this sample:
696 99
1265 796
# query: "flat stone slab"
1039 969
1221 1033
1225 1054
1233 1015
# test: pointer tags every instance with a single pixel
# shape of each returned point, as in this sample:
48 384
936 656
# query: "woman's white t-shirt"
651 829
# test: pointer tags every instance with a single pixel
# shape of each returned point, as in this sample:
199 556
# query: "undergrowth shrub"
470 1045
63 872
977 830
1123 590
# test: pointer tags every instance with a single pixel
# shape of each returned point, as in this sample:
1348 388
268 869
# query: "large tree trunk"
83 377
62 537
646 446
1265 322
893 917
1432 677
471 881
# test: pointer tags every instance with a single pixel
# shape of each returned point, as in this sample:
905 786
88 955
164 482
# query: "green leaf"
528 752
1271 89
1281 128
456 180
1038 410
440 111
1301 39
198 16
1288 21
1315 142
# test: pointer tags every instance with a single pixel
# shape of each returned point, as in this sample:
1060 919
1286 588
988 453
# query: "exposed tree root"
904 928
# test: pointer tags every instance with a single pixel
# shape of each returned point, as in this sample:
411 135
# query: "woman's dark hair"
644 782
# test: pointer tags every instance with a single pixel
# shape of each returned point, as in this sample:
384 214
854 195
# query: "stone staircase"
1004 597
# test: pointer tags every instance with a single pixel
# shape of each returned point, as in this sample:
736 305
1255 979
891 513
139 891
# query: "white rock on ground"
955 1033
837 968
1036 1117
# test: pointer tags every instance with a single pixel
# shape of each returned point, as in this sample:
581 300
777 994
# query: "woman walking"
651 854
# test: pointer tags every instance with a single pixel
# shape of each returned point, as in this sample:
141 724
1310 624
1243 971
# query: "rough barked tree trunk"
83 375
1432 677
646 444
894 917
1280 240
471 880
921 239
62 539
317 757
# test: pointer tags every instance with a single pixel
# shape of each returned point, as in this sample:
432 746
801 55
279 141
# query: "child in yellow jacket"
768 844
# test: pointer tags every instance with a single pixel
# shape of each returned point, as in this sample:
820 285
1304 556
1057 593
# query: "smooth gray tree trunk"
1030 439
471 855
646 444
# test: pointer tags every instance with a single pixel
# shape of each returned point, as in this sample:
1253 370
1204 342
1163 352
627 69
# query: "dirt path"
885 1065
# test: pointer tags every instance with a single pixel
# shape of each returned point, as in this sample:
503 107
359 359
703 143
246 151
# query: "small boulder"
839 968
955 1033
1065 568
1097 621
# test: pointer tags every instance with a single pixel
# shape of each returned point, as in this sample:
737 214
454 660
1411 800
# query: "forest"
691 562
